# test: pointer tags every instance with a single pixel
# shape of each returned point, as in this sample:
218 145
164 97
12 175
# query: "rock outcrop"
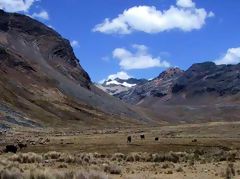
160 86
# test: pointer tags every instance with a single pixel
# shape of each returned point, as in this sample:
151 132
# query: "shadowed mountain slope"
42 81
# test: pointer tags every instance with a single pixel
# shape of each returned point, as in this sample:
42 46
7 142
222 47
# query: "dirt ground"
210 150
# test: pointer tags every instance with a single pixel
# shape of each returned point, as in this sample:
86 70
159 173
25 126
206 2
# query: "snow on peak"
115 82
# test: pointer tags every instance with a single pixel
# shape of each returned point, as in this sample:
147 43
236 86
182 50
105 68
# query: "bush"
26 158
41 174
113 169
118 157
157 158
179 169
68 158
52 155
48 174
90 175
10 174
230 171
171 157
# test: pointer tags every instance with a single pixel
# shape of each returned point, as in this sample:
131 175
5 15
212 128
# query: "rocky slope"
204 92
160 87
43 84
209 78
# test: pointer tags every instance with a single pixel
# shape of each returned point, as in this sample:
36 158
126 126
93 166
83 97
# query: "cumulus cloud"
184 16
121 75
16 5
74 43
41 15
185 3
232 56
139 59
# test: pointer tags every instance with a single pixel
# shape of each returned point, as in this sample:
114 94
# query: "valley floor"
210 150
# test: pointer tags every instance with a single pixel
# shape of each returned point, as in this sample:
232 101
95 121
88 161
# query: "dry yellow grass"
214 153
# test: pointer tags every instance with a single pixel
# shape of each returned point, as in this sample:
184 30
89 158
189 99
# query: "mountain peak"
205 66
27 35
130 82
170 72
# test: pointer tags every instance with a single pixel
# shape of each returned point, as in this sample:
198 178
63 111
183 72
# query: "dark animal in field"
142 136
22 145
129 139
11 148
69 143
156 138
194 140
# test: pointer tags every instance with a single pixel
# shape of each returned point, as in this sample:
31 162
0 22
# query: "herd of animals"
13 148
19 145
142 136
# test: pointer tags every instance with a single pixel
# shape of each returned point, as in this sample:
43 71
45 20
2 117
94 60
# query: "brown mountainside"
43 84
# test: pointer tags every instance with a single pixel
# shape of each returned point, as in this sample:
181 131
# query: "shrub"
130 158
118 157
179 169
26 158
157 158
11 173
52 155
90 175
68 158
113 169
230 171
171 157
169 172
41 174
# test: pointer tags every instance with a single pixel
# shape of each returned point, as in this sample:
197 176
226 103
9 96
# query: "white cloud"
74 43
185 16
121 75
185 3
231 57
41 15
140 59
16 5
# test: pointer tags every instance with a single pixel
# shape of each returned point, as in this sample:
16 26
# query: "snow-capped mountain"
117 85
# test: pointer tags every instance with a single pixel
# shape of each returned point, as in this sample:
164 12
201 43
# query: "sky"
140 38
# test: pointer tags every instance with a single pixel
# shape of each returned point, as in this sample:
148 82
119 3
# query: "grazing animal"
156 138
11 148
129 139
194 140
22 145
142 136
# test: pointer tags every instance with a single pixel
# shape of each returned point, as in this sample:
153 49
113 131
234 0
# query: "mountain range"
42 84
204 92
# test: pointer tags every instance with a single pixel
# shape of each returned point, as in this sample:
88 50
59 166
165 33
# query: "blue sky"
141 37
